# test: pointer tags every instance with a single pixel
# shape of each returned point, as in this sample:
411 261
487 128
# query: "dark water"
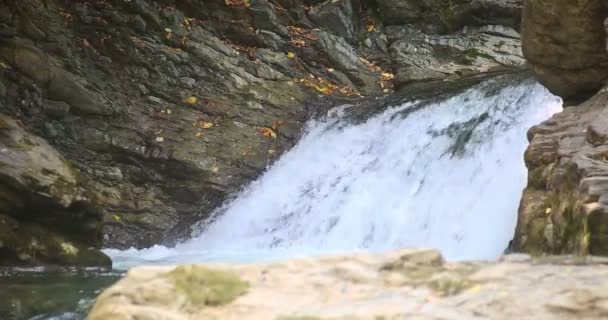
61 294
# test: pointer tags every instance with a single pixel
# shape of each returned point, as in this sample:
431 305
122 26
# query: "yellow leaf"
291 55
169 111
371 27
4 65
160 139
198 134
116 217
387 76
267 132
322 89
191 100
271 151
206 125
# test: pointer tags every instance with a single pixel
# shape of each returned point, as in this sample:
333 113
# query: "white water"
389 182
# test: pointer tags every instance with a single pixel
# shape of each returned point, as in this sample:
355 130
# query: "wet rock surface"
398 285
563 208
46 214
166 108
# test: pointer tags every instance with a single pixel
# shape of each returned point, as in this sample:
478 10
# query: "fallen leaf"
198 134
270 151
291 55
267 132
169 111
168 30
116 217
191 100
298 42
205 124
371 28
160 139
387 76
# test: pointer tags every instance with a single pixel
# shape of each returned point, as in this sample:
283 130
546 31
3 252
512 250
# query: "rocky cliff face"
411 284
164 108
563 209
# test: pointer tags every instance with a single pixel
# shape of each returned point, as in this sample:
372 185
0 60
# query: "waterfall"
448 175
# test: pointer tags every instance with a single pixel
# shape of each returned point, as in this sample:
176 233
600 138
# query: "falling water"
449 176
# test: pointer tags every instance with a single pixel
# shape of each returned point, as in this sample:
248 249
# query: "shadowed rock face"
46 214
564 42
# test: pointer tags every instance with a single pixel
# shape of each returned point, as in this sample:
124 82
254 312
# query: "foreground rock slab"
407 284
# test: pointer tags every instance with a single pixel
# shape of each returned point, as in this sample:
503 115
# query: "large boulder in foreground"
407 284
564 42
46 216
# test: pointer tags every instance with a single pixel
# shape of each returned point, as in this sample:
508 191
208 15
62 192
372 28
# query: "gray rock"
337 16
264 17
138 23
564 207
188 82
419 56
56 109
271 40
345 58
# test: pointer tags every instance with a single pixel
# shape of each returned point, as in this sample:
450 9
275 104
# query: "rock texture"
565 45
42 199
410 284
168 107
564 207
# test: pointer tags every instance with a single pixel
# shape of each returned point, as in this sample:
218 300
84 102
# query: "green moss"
203 286
450 286
474 53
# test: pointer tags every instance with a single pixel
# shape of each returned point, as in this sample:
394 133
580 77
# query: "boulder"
564 43
406 284
47 215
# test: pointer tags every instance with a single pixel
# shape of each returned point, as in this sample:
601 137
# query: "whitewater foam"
448 176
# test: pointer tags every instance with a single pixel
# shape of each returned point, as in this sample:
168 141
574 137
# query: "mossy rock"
32 244
207 287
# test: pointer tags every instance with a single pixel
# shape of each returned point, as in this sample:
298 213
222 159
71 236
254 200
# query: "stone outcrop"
409 284
43 200
565 44
564 207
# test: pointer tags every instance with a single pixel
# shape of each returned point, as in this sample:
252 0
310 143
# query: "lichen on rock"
205 286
